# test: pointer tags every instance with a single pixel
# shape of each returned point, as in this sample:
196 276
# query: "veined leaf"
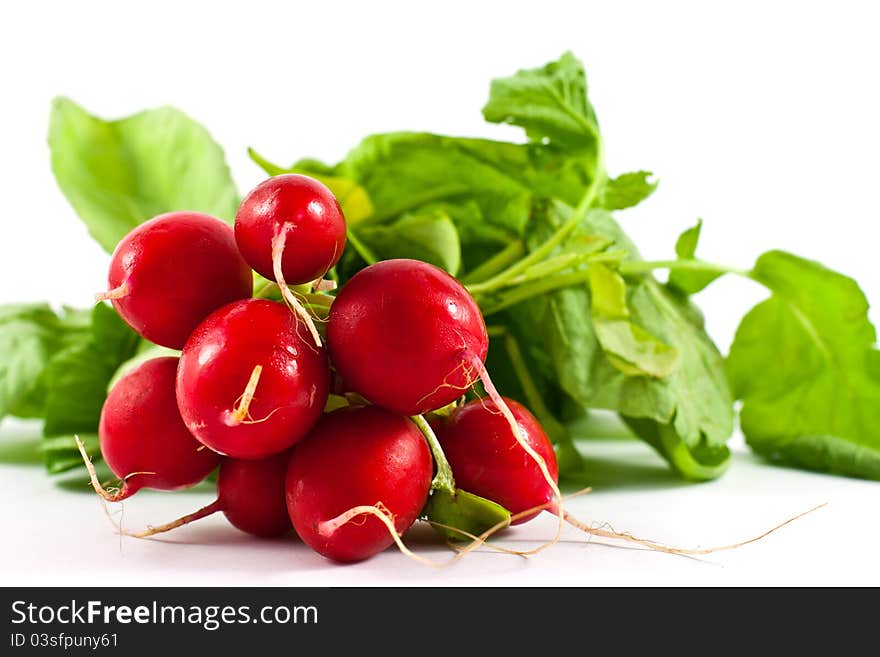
550 103
117 174
805 366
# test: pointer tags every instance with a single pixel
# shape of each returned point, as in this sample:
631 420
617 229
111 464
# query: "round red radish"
249 383
170 272
250 493
143 438
357 457
407 336
298 216
487 460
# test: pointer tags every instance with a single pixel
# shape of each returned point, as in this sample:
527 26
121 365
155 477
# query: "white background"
760 117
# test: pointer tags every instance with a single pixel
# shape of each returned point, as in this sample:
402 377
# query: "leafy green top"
576 316
804 364
118 174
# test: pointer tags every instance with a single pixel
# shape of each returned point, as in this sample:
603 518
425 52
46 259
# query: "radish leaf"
549 102
117 174
689 282
805 367
627 190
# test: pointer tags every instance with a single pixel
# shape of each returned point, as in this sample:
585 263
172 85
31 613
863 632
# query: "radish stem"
495 264
443 480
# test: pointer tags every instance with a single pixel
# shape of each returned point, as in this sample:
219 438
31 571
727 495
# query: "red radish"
358 481
143 438
423 331
290 229
487 461
417 326
248 386
170 272
251 496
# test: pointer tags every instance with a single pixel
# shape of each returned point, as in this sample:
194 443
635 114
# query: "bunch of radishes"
252 387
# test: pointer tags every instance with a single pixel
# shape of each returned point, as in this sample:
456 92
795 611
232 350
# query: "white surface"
60 537
761 118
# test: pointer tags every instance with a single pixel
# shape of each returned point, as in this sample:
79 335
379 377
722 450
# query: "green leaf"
354 200
465 511
61 454
700 462
691 405
627 190
30 335
77 378
874 363
403 172
694 399
690 282
629 347
117 174
550 103
487 188
428 235
804 365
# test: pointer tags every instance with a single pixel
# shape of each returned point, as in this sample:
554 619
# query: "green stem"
263 288
567 261
494 304
554 240
361 248
496 263
554 427
534 288
644 267
443 480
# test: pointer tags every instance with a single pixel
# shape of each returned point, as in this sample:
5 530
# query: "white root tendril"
105 495
384 515
204 512
278 242
324 285
379 511
658 547
241 411
102 492
502 406
116 293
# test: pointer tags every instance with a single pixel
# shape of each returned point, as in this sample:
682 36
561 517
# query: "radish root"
323 285
111 494
461 388
241 410
116 293
278 242
624 536
502 406
513 518
205 511
381 512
